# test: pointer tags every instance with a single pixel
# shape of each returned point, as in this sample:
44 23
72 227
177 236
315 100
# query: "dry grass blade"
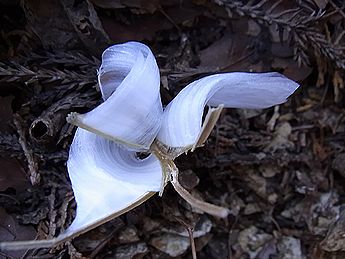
209 208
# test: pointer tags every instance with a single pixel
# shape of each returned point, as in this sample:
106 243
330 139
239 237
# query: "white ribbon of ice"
182 118
107 177
132 110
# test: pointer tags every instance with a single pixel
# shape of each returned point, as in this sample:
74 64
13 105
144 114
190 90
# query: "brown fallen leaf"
335 238
10 230
227 53
146 27
149 6
291 69
65 24
321 3
12 175
5 112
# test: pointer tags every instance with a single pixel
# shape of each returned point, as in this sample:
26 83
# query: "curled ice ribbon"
108 178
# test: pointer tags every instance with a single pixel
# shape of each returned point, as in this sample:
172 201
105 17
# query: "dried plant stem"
272 122
211 119
192 242
33 167
190 234
76 119
201 205
167 163
24 245
170 170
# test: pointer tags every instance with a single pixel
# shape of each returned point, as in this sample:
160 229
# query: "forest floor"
280 171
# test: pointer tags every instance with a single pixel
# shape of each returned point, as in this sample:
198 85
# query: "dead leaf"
289 247
320 150
12 175
291 69
335 239
10 230
252 240
228 52
64 25
147 26
281 138
149 6
170 244
338 164
321 3
5 112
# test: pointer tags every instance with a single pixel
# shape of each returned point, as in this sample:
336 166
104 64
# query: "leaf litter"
279 172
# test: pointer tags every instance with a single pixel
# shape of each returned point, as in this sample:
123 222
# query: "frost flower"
108 177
